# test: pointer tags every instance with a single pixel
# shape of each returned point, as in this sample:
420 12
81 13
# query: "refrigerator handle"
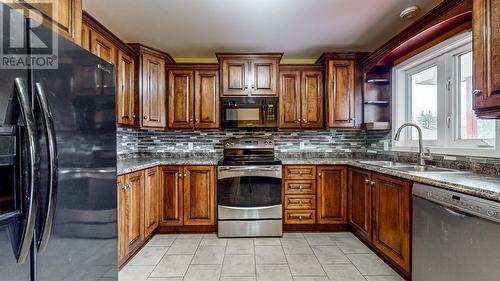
34 170
53 167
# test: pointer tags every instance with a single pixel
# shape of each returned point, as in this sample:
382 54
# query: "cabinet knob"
300 202
476 92
372 183
190 119
300 187
180 175
246 87
197 120
133 116
185 175
145 117
304 120
319 174
367 181
253 86
300 217
300 172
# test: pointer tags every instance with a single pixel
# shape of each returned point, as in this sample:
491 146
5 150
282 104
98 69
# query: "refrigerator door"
17 180
75 109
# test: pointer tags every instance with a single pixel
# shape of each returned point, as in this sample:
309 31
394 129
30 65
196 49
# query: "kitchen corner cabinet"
130 209
193 99
187 195
380 212
486 52
332 195
249 74
151 200
301 99
340 93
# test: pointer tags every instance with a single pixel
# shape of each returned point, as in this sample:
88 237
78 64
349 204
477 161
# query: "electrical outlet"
386 145
190 146
302 145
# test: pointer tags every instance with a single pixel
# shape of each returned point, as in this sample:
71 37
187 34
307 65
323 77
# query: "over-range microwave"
249 112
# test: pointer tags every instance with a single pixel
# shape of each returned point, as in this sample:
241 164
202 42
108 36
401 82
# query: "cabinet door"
290 112
486 32
180 99
391 229
264 73
235 74
360 201
122 217
134 209
153 92
85 41
67 15
151 201
312 99
199 195
102 47
206 99
340 104
332 195
171 186
125 98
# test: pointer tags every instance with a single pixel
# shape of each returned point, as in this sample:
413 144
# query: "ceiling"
302 29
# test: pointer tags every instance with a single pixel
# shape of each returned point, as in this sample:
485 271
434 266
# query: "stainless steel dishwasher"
456 237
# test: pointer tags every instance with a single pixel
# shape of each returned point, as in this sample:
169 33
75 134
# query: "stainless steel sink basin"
424 169
387 164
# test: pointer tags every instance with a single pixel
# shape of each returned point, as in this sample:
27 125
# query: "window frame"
445 56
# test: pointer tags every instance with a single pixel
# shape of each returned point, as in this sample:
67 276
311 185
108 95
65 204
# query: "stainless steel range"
249 189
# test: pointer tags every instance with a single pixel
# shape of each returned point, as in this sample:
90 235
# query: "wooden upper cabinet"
151 200
360 201
102 47
312 99
64 15
264 73
249 74
392 214
486 50
301 98
206 99
171 194
199 195
235 74
180 99
290 99
340 93
125 92
153 91
332 195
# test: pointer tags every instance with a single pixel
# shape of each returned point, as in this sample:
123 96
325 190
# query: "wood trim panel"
296 172
206 99
341 93
300 187
199 195
125 93
360 201
135 210
300 202
290 99
312 99
300 217
153 96
151 200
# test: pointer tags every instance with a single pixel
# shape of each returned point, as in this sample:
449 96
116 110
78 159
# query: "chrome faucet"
421 155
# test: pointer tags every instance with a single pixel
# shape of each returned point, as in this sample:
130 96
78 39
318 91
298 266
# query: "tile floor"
336 256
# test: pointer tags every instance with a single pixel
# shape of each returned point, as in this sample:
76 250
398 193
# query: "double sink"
410 168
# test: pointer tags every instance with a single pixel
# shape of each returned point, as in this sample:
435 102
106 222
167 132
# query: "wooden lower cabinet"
332 195
151 201
391 219
199 195
380 213
360 201
187 195
130 206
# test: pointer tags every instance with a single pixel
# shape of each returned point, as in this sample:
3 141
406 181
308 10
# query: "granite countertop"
487 187
126 166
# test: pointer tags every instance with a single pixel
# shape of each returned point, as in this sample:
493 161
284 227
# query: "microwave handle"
264 108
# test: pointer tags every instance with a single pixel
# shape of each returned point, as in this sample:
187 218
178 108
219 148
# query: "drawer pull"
300 217
300 202
300 172
300 187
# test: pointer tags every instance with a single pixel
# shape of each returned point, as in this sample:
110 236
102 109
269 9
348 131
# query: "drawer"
300 172
300 187
300 202
300 217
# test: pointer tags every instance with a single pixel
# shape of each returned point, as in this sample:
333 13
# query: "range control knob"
491 213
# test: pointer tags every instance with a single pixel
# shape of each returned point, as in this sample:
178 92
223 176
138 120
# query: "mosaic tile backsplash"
312 144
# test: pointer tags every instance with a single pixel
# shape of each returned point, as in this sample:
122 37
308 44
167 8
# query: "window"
433 89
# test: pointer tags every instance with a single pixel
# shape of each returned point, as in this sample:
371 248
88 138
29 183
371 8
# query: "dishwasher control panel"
469 204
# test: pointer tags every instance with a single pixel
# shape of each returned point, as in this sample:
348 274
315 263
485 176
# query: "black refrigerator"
58 199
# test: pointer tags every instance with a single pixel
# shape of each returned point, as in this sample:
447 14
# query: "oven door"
249 192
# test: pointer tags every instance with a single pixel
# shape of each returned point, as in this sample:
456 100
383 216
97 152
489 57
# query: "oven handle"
252 168
251 208
249 171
